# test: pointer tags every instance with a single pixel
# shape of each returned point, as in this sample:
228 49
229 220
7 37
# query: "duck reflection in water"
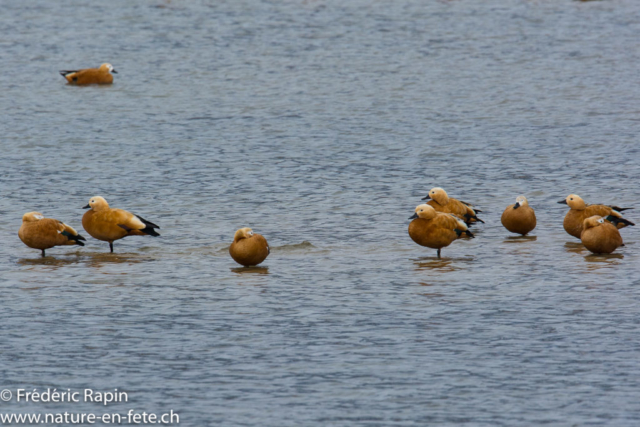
50 261
433 263
576 248
251 270
99 259
520 245
598 261
520 239
96 260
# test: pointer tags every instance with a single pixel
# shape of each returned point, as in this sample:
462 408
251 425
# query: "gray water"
321 125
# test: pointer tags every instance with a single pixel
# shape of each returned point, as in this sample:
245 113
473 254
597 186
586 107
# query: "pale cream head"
425 211
593 221
522 201
243 233
108 67
32 216
98 203
575 202
439 195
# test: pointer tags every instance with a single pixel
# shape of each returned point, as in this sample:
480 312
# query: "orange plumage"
248 248
435 230
42 233
579 211
599 236
108 224
90 76
441 202
519 217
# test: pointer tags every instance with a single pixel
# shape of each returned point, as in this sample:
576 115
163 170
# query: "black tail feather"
616 220
616 208
77 238
149 229
65 72
149 223
467 232
469 217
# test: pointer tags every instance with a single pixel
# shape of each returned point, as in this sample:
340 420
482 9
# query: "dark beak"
426 198
414 216
516 206
114 71
86 207
563 202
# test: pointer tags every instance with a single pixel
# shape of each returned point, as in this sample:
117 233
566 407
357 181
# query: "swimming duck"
519 217
90 76
580 211
42 233
108 224
248 248
600 236
435 230
441 202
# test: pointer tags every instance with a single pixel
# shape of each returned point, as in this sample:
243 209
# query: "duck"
441 202
89 76
436 230
520 217
42 233
600 236
109 224
579 211
248 248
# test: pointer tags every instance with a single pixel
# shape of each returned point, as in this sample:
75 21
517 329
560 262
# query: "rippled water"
321 124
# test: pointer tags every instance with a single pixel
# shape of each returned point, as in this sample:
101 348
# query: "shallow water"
321 125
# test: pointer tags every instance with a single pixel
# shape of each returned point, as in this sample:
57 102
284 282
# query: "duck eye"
571 198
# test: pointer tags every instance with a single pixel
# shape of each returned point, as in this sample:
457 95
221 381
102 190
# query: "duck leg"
111 246
43 253
438 253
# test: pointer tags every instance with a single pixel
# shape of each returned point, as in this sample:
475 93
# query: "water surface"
321 125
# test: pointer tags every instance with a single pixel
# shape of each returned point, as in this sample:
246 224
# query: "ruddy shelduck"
600 236
574 220
248 248
435 230
519 217
42 233
441 202
90 76
108 224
